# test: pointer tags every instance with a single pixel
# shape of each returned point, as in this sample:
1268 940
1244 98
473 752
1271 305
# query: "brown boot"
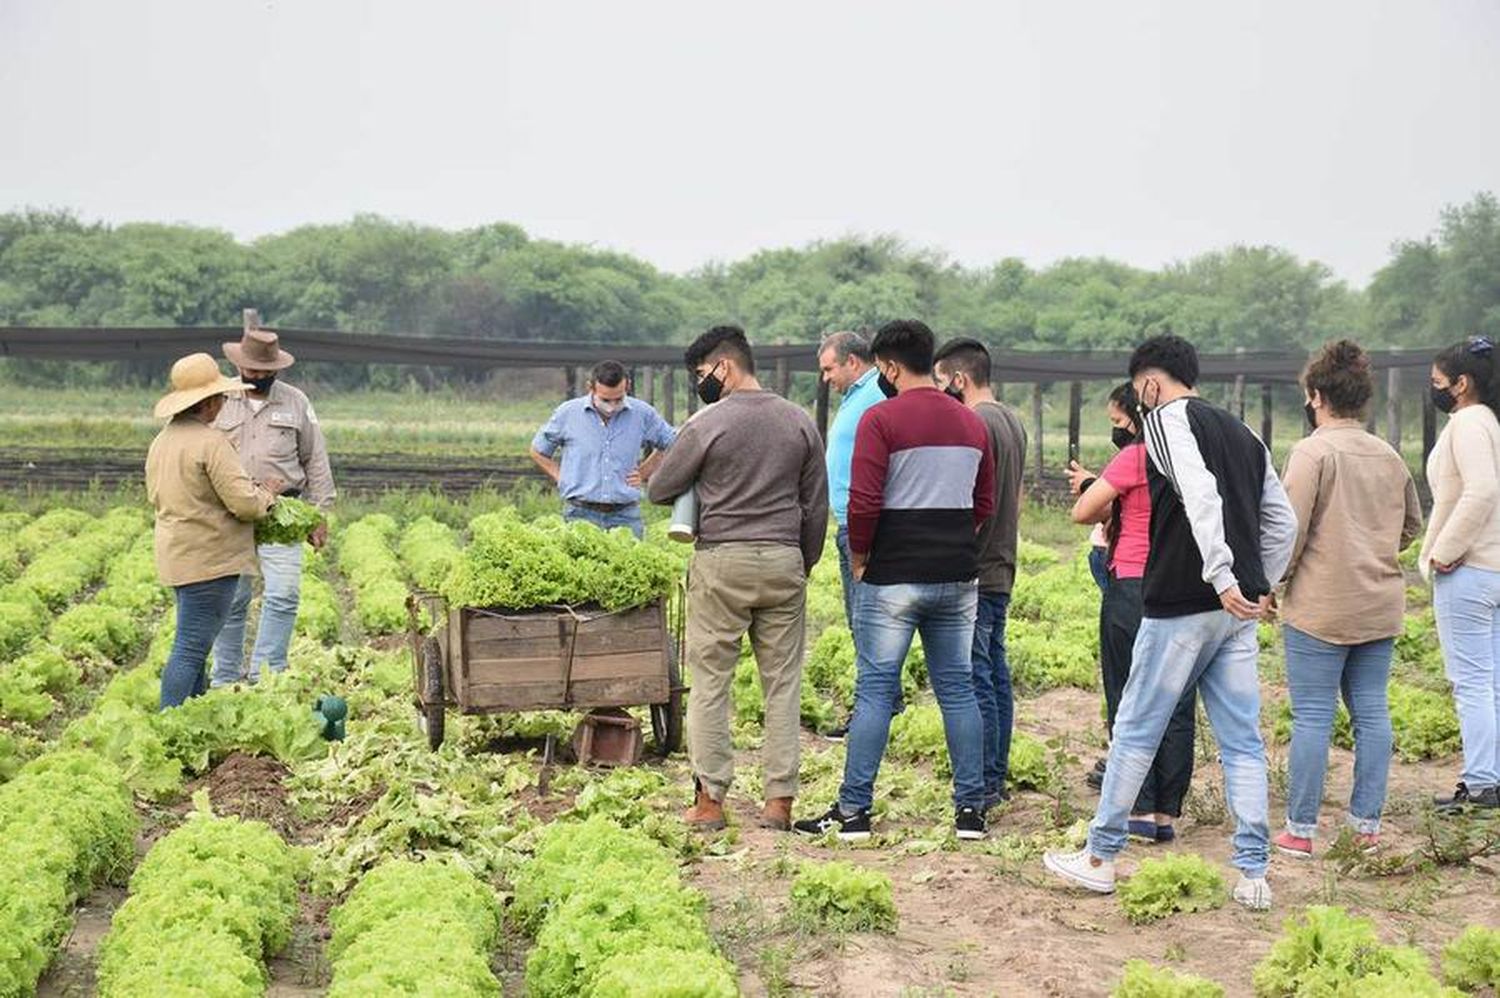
777 814
706 814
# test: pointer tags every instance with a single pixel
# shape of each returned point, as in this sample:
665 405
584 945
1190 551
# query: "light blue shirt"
861 395
597 455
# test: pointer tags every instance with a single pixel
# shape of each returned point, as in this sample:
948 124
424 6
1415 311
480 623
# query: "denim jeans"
281 568
1316 673
629 517
1099 566
846 573
201 609
1466 602
1171 772
943 613
1219 655
992 687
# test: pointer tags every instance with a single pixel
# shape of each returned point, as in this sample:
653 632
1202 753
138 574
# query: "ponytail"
1474 358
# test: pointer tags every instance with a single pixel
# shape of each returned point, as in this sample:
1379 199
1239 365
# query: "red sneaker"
1367 842
1293 845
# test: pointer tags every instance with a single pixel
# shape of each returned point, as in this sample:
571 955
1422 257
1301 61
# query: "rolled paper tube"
684 526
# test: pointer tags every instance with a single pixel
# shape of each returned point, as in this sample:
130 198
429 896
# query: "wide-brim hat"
195 378
258 350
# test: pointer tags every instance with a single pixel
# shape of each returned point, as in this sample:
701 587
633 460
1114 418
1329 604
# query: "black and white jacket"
1219 514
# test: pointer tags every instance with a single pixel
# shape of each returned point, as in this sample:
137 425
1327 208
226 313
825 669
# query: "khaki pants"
733 588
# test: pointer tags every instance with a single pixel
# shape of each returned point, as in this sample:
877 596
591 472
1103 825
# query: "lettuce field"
225 848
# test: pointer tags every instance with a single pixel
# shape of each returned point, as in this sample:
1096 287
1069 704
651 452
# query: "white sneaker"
1254 894
1082 868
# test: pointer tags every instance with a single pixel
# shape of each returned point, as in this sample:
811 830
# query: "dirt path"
972 924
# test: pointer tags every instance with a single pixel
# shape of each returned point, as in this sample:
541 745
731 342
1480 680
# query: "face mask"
608 407
887 386
1312 415
954 392
1443 399
710 388
1121 437
262 385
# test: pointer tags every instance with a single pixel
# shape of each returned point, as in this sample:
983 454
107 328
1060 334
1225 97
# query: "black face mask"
1121 437
1444 400
887 386
262 385
954 392
1312 415
710 388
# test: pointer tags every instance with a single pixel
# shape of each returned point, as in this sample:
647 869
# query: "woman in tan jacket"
205 509
1462 556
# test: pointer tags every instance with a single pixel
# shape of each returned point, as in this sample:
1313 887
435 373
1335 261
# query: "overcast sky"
1145 130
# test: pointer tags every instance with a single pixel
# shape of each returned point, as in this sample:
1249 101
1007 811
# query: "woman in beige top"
1345 598
205 507
1462 556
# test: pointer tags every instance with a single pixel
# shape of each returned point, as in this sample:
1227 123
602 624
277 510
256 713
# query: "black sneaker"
837 734
1462 799
850 827
993 799
1095 778
969 823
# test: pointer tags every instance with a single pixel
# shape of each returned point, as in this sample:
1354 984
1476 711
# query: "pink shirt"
1127 474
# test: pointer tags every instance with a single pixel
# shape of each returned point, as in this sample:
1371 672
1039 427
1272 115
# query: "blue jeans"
281 568
846 573
201 609
943 613
1099 566
629 517
1219 654
1316 672
992 688
1466 602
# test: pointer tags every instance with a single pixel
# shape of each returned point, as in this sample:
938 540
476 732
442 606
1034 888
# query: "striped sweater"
923 480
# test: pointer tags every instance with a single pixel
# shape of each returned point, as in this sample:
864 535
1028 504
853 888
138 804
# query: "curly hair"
1340 373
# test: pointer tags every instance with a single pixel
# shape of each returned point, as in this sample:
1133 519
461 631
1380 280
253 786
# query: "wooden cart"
481 661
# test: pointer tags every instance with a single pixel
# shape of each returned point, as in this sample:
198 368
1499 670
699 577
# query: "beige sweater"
1356 509
1464 472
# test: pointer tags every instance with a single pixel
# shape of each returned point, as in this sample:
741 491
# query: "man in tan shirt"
205 507
273 427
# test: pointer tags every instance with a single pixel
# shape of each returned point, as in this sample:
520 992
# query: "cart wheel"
433 710
666 718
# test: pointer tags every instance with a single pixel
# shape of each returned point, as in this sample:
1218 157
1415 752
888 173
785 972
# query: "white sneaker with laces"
1082 868
1253 893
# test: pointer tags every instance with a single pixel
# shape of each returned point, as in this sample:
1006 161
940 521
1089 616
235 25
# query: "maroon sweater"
922 482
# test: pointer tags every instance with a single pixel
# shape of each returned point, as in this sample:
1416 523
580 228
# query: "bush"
656 972
567 858
1472 961
456 906
1326 951
843 897
1178 883
620 913
1142 980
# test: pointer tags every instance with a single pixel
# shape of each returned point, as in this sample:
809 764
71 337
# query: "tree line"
373 274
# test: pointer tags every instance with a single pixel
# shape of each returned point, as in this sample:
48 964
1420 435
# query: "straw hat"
194 378
258 350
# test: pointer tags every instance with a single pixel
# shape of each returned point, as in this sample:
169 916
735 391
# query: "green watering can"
329 714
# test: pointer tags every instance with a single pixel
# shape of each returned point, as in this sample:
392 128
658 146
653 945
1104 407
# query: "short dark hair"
846 344
1474 357
1340 372
721 341
1170 354
906 341
1124 397
608 373
967 356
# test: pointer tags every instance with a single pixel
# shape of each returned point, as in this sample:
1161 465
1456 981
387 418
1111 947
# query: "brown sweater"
1356 509
757 461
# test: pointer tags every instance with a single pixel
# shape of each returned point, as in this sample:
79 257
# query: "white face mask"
608 407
